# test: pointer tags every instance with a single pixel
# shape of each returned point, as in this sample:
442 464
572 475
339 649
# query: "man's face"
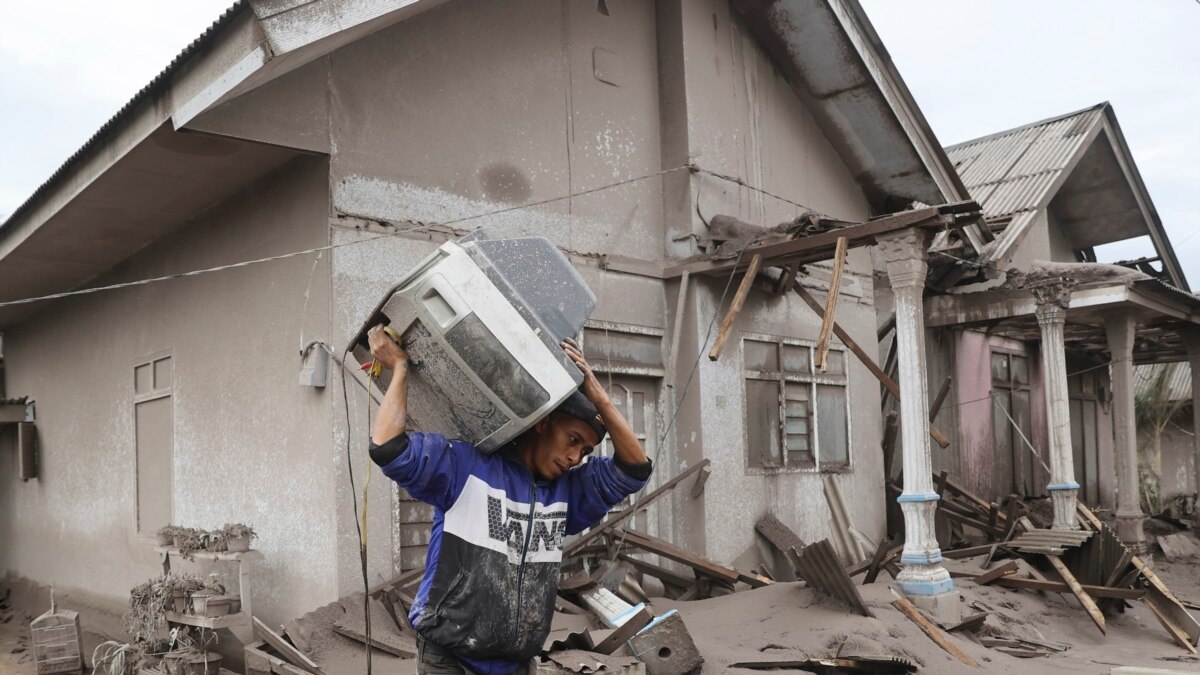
562 443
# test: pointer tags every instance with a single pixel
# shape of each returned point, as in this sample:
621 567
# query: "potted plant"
166 535
238 536
176 590
192 540
148 605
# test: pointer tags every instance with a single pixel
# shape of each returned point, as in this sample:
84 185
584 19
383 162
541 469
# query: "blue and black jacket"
491 572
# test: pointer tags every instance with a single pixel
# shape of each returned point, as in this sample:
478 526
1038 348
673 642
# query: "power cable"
420 227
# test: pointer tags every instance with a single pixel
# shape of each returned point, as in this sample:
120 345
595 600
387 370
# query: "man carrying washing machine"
491 573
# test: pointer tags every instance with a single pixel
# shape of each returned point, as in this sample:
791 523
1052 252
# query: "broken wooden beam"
906 608
1060 587
991 575
638 505
672 552
739 298
621 634
821 246
831 300
661 573
887 382
1082 595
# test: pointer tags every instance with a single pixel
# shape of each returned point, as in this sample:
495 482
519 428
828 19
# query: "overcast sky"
979 67
974 66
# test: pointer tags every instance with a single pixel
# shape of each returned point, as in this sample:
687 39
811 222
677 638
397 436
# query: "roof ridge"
1024 127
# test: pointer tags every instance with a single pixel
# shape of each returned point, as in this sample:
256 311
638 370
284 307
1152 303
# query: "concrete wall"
744 120
250 445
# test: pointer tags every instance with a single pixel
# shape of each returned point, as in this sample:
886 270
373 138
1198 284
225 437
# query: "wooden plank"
567 607
971 624
831 299
673 552
891 430
639 505
968 552
1060 587
906 608
698 484
864 358
820 246
1084 598
941 398
661 573
677 328
988 577
883 553
739 298
786 277
285 649
394 644
622 633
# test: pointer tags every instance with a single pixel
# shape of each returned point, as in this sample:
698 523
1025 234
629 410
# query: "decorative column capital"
904 252
1053 296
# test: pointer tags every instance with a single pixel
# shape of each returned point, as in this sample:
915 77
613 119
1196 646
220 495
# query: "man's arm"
393 411
627 450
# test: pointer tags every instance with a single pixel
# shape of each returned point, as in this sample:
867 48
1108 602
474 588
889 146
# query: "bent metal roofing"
1012 173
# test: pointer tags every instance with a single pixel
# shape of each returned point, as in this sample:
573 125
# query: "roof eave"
856 95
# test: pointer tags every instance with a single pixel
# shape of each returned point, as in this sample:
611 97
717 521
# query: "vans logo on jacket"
509 525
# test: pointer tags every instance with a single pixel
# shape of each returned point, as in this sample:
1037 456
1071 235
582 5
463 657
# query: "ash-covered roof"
160 81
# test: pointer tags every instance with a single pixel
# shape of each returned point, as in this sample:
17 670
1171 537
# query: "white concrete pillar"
922 577
1119 326
1053 297
1193 348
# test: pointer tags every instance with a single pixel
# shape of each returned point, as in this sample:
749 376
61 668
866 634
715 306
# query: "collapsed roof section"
1077 165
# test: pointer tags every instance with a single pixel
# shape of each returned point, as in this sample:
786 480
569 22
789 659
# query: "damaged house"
1038 362
306 155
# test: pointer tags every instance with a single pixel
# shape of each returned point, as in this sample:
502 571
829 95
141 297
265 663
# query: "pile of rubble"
625 596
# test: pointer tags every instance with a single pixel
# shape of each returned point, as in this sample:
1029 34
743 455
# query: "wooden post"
736 306
932 631
835 284
1084 598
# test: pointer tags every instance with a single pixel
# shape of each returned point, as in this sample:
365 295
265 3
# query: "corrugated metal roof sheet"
1011 173
1179 379
158 81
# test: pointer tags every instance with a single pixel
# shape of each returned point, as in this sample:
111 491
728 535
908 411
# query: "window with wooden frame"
796 416
154 440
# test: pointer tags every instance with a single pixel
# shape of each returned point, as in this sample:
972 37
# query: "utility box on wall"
26 450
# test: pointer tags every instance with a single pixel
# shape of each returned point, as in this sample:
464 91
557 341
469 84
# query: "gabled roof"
1082 157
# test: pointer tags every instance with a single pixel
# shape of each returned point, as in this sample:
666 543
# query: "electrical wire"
362 541
686 387
420 227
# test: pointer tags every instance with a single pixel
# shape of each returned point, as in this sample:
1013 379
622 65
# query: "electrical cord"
362 540
420 227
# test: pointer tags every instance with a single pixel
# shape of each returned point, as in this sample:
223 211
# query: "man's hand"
386 350
591 386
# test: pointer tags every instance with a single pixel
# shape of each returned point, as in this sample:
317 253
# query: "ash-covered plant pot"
199 663
179 600
237 537
172 662
166 535
200 601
